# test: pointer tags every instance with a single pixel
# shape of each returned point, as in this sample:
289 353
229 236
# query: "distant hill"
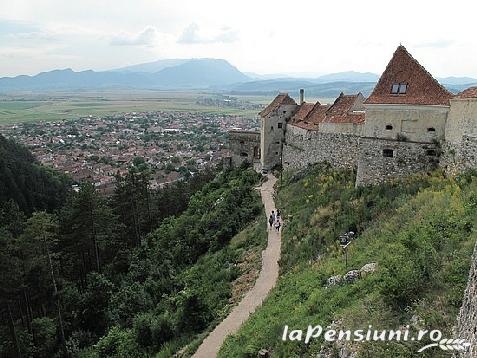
192 74
293 86
207 73
200 73
457 81
349 76
151 67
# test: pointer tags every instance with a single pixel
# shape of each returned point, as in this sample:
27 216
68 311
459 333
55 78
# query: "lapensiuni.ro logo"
371 334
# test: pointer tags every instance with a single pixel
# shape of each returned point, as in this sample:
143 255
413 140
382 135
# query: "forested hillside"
420 232
26 182
133 275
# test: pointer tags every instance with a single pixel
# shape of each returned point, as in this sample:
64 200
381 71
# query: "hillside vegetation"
26 182
137 274
420 231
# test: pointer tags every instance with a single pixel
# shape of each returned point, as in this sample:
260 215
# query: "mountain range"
205 73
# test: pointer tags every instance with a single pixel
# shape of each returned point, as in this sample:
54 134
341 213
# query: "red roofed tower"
407 102
404 116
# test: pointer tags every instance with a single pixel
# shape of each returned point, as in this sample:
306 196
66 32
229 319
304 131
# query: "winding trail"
254 298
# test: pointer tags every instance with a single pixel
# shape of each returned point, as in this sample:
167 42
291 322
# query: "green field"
59 106
20 108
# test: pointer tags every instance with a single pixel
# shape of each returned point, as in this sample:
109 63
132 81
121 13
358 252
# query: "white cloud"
193 35
147 37
260 36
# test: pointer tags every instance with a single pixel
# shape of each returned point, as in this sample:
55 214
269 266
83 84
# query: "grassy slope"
421 233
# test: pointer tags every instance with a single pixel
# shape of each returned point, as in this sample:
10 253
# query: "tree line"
101 276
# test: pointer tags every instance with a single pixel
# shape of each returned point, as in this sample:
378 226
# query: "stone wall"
303 147
244 146
462 119
469 151
467 321
381 159
458 157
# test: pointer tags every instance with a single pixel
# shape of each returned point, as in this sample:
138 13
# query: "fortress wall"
341 128
412 122
460 156
303 147
467 320
244 146
375 164
469 151
462 120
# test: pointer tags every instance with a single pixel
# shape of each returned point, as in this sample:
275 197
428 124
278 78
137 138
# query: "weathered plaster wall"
412 122
303 147
407 158
462 120
341 128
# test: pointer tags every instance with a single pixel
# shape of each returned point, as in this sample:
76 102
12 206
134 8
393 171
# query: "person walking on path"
256 295
278 225
273 216
270 221
278 214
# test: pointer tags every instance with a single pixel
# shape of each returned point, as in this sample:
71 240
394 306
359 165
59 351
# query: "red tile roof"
317 114
468 93
422 88
302 112
345 109
280 99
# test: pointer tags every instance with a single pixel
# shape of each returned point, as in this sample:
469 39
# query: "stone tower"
273 126
461 131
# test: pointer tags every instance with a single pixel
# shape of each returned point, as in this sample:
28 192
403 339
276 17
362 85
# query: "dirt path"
254 298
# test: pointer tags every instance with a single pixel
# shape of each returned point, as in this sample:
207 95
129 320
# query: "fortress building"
409 123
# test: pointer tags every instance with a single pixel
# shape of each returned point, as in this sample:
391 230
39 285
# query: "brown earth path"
254 298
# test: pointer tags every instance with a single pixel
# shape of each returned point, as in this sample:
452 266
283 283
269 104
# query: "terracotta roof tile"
470 92
280 99
302 112
345 109
317 114
422 88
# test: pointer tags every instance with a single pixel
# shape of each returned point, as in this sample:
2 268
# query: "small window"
243 154
284 112
388 153
277 142
242 142
389 127
272 128
279 125
431 152
402 88
431 129
399 88
276 153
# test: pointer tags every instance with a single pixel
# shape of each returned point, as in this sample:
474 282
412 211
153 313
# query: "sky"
310 37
